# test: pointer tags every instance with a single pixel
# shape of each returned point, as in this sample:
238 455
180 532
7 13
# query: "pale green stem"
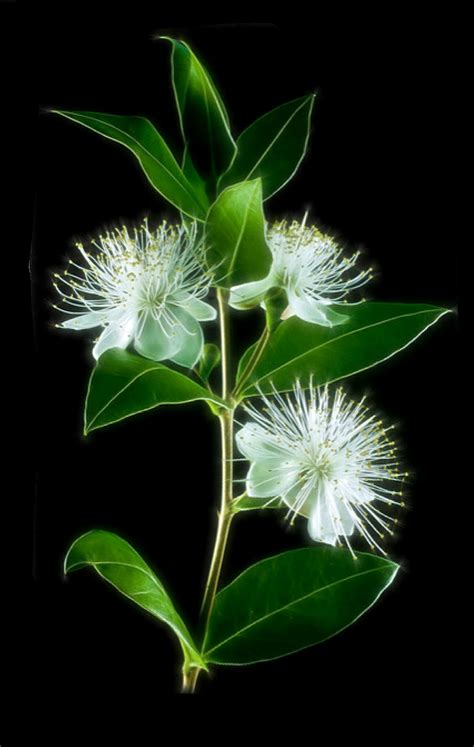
252 362
226 418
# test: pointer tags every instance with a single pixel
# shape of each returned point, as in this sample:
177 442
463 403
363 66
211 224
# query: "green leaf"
246 503
291 601
210 358
272 147
123 384
191 174
235 232
140 136
202 114
373 333
118 563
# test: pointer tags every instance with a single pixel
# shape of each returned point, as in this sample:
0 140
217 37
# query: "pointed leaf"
210 358
235 232
202 114
198 184
272 147
140 136
291 601
248 503
123 384
118 563
373 333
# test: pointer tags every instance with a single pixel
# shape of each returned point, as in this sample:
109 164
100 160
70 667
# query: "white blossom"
328 459
142 286
311 268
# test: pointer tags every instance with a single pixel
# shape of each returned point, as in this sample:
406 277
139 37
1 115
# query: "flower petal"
329 519
85 321
314 311
117 334
247 295
292 498
190 336
200 310
157 340
257 444
270 477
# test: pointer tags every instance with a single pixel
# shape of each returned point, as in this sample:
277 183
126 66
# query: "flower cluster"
323 456
146 287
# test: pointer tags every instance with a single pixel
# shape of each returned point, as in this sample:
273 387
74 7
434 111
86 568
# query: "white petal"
270 477
256 444
157 340
190 337
313 311
200 310
329 519
249 294
115 335
84 321
292 498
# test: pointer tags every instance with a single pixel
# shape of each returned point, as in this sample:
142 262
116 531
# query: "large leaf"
123 384
272 147
202 114
374 332
291 601
235 232
118 563
160 166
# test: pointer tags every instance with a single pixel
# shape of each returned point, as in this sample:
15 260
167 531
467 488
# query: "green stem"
252 362
226 513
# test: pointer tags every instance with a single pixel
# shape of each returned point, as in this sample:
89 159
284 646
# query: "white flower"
327 459
310 267
146 286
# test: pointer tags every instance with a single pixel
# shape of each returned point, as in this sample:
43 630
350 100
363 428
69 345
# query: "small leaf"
246 503
373 333
272 147
123 384
202 114
291 601
118 563
235 233
210 358
140 136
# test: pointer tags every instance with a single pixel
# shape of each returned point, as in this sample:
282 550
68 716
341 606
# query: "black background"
371 176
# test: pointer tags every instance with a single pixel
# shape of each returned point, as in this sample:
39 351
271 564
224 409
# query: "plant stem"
222 298
253 360
226 418
225 517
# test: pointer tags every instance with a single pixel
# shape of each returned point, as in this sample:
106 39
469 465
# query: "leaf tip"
66 561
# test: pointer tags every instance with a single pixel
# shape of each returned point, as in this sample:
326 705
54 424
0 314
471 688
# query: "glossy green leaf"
202 114
198 184
374 332
248 503
118 563
160 166
291 601
272 147
123 384
235 233
210 358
